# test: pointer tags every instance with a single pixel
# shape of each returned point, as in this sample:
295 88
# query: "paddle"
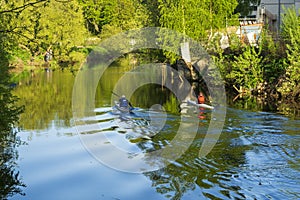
120 97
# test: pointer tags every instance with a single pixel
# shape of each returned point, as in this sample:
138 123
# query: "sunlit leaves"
38 26
291 34
247 70
102 16
196 17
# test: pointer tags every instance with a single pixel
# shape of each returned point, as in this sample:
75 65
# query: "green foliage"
291 34
273 69
221 63
290 25
35 27
77 57
293 55
21 54
246 69
117 15
273 57
109 30
9 112
48 24
130 14
58 25
154 15
91 12
10 183
16 77
29 29
273 63
195 17
244 7
235 43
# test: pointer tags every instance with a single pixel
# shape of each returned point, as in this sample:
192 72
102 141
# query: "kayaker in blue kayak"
125 105
123 102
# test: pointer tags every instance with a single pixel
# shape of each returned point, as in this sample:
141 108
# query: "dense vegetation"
69 29
270 69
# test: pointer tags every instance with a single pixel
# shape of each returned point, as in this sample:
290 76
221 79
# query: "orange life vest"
201 98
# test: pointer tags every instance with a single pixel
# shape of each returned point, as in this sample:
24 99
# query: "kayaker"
124 103
201 98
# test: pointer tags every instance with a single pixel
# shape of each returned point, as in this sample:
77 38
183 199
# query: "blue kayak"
122 110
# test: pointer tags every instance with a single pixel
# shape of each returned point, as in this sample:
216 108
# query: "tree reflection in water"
10 183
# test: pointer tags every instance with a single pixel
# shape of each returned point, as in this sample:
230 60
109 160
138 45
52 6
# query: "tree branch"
12 29
23 7
64 1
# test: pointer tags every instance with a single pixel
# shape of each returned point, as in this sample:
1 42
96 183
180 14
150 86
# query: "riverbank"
23 65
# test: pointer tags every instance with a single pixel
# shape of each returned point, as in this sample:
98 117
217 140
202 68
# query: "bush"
291 35
246 69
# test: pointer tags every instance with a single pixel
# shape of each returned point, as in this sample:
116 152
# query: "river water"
257 155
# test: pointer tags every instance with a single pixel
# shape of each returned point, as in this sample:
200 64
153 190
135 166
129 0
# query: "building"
268 13
271 12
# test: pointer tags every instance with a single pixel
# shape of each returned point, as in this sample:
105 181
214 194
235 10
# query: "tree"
291 35
10 183
13 22
247 70
290 25
245 7
198 19
58 25
97 14
43 24
153 11
109 17
195 17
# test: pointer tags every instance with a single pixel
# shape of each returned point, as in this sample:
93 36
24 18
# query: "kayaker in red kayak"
201 100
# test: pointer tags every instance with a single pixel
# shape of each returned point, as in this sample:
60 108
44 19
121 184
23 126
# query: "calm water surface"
256 157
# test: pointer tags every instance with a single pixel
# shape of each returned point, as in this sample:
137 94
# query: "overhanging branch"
23 7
